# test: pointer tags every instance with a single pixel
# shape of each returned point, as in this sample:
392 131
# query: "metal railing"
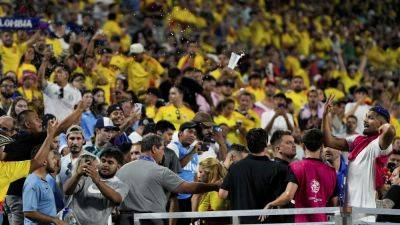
338 216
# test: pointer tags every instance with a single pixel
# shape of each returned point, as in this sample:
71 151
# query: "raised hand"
52 127
92 172
328 105
385 127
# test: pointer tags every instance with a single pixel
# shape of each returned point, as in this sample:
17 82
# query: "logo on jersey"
315 186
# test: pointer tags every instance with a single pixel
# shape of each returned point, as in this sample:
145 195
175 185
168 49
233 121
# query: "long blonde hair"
214 169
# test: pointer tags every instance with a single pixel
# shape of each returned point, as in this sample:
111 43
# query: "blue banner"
13 23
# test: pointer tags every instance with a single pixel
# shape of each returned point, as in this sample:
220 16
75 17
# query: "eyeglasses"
5 129
61 94
69 169
178 114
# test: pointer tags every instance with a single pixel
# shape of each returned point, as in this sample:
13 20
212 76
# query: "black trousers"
185 205
128 219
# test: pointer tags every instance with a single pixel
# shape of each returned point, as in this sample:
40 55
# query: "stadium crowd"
111 108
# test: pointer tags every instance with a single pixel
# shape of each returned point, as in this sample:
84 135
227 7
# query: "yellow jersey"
30 94
211 202
299 99
138 77
10 57
233 137
258 93
10 172
174 115
25 67
111 77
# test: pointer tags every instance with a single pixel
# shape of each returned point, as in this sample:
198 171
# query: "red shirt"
316 186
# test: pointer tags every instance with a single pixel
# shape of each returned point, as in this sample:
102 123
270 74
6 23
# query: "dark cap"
105 122
203 118
113 108
187 125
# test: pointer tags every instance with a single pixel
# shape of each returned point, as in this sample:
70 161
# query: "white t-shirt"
262 106
135 137
360 113
60 107
361 174
279 123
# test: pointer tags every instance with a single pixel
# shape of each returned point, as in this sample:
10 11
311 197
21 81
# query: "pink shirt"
316 186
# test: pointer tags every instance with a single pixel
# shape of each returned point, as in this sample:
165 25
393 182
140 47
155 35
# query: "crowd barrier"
336 215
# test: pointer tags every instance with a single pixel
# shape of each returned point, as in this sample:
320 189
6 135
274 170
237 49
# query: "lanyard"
147 158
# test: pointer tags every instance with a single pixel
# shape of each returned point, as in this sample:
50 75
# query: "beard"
106 176
7 95
50 170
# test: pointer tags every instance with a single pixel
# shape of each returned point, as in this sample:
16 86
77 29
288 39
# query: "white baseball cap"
136 48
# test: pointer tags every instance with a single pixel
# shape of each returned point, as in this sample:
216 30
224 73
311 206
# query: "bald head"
7 126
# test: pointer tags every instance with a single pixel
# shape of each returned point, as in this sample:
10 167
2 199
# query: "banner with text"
12 23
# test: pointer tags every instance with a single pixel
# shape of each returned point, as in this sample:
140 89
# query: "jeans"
1 218
14 210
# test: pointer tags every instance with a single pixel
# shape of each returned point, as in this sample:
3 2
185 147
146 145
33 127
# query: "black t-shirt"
284 165
171 161
252 183
21 149
394 195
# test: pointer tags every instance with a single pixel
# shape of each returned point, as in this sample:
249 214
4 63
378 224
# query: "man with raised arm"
12 171
376 140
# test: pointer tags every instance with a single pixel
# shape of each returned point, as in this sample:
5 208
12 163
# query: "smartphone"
217 129
138 107
191 147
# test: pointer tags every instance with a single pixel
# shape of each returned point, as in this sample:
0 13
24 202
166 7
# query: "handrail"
376 211
235 213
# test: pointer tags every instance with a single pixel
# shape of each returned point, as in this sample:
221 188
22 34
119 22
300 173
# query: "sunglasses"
5 129
69 169
61 94
178 114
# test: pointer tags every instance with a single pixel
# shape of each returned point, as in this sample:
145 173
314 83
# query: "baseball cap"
105 122
136 48
187 125
74 129
113 108
4 140
203 118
